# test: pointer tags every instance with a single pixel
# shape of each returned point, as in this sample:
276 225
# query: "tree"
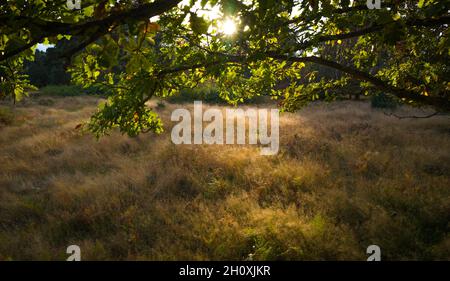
48 68
142 49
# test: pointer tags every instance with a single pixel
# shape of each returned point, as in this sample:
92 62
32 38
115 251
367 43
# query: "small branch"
427 22
50 29
440 102
413 116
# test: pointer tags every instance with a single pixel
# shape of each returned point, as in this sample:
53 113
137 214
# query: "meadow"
347 176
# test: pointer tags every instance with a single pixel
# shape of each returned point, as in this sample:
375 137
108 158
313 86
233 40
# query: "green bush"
71 90
160 104
383 100
206 94
6 116
96 90
61 90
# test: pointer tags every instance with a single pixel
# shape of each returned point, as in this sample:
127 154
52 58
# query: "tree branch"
436 101
413 116
427 22
54 28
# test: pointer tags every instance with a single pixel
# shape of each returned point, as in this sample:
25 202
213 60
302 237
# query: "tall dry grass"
346 177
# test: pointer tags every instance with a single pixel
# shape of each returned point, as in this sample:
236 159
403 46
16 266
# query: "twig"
413 116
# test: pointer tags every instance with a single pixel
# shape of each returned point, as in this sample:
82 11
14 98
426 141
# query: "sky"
43 47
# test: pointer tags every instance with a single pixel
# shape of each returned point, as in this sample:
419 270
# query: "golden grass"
346 177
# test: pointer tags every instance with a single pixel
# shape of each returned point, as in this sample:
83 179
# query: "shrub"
96 90
61 90
160 104
72 90
383 100
207 94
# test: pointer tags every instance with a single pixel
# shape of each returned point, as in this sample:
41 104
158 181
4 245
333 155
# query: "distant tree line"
48 67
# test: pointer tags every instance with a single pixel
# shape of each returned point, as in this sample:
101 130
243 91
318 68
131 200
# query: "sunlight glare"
229 27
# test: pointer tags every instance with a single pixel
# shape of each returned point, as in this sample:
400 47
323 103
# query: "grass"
6 116
346 177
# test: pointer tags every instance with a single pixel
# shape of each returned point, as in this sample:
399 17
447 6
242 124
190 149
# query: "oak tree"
140 49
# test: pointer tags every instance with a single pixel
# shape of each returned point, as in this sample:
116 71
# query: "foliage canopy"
141 49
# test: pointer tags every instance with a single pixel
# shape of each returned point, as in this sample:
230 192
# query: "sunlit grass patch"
346 177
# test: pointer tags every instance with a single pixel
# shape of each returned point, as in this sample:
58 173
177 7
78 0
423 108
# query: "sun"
228 27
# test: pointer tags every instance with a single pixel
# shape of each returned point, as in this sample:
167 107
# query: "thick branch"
375 28
54 28
225 59
438 102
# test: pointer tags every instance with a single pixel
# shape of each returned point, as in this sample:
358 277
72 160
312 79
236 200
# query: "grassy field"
347 176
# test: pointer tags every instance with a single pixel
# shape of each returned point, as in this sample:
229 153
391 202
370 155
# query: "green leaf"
198 24
89 11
